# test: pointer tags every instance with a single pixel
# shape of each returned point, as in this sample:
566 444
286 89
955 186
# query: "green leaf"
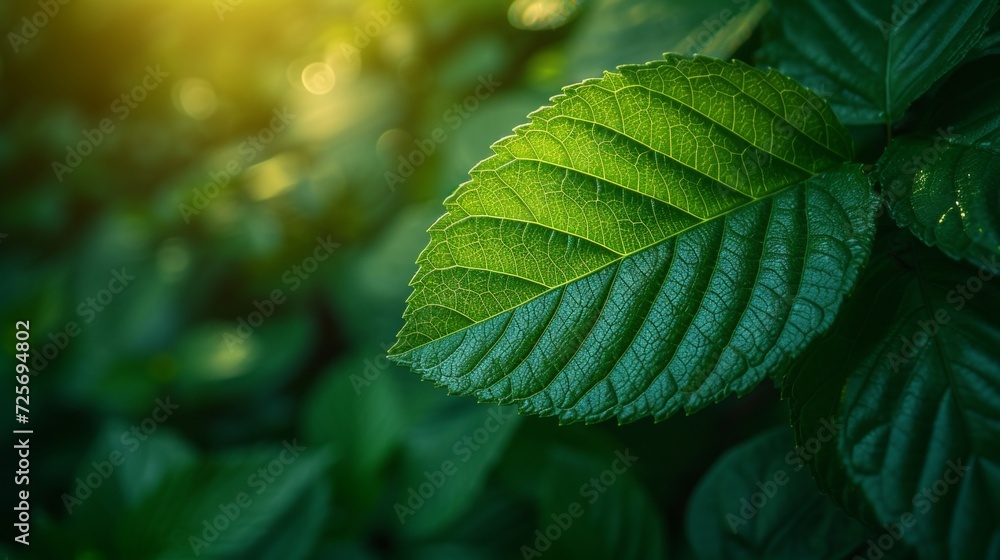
358 418
656 240
166 524
644 29
594 506
471 439
294 535
147 465
990 43
873 58
923 397
756 502
356 410
813 390
952 203
497 520
133 469
944 184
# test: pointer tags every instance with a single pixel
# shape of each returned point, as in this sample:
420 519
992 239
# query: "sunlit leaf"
656 240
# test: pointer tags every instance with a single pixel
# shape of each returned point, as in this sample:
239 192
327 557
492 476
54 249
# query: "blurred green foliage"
155 199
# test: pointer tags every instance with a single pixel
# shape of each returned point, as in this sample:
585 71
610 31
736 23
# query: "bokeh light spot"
536 15
195 97
318 78
272 177
228 362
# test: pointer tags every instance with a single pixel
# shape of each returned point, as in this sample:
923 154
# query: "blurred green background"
207 205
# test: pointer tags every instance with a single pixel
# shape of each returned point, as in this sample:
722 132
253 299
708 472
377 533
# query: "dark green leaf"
645 29
756 502
922 399
989 44
471 439
872 58
814 389
944 184
356 409
171 521
296 532
593 506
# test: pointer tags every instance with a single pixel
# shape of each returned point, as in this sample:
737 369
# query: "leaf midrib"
614 261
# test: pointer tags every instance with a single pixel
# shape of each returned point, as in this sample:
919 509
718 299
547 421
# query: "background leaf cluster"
297 377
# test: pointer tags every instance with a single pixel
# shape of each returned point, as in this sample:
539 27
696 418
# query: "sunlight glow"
541 14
